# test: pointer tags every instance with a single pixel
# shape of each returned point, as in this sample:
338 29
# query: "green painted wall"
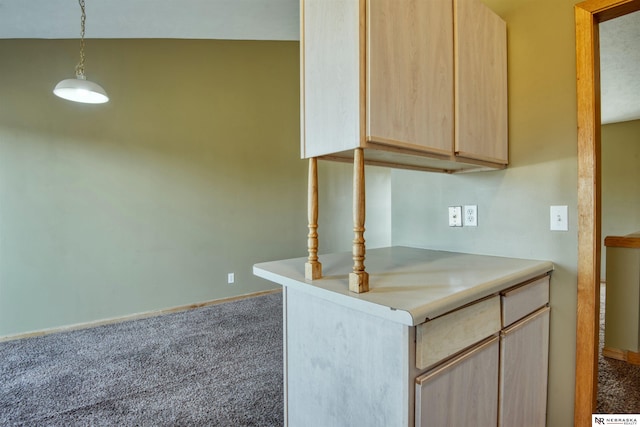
513 205
190 172
336 207
620 181
146 201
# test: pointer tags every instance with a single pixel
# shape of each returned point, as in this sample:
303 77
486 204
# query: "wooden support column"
359 279
313 268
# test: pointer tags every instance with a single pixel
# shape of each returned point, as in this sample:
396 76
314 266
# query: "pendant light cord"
80 89
80 66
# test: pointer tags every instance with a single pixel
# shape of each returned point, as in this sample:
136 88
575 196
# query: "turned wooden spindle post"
359 279
313 268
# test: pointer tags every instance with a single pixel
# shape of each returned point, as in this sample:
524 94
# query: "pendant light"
80 89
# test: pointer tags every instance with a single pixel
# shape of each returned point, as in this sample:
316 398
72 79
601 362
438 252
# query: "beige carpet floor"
218 365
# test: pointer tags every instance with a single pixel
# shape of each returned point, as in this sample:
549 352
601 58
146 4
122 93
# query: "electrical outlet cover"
455 216
471 215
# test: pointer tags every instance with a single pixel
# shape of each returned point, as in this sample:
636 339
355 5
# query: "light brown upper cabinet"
419 84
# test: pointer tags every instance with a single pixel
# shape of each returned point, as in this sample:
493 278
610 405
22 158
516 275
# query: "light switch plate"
559 218
455 216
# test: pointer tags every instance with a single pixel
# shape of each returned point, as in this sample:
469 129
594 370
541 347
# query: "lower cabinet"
482 364
497 381
524 347
462 392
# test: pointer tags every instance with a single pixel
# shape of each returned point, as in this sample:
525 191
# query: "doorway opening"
588 15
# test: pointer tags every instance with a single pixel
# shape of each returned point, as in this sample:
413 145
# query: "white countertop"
407 285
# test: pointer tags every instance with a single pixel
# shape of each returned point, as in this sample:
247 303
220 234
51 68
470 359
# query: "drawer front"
446 335
524 300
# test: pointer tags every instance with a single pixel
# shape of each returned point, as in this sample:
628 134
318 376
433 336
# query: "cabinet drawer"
523 300
446 335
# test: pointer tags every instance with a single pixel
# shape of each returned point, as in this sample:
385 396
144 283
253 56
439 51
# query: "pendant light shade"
80 89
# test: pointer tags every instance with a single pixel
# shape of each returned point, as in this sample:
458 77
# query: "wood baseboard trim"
135 316
633 358
614 353
624 355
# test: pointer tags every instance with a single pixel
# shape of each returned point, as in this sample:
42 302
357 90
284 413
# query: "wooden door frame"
588 15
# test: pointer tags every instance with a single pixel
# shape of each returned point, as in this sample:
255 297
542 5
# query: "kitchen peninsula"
419 337
439 336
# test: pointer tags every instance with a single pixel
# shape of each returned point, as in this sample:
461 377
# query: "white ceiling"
197 19
275 20
620 68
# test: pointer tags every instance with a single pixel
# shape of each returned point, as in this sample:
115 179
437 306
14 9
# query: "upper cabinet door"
410 74
481 83
419 84
332 76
